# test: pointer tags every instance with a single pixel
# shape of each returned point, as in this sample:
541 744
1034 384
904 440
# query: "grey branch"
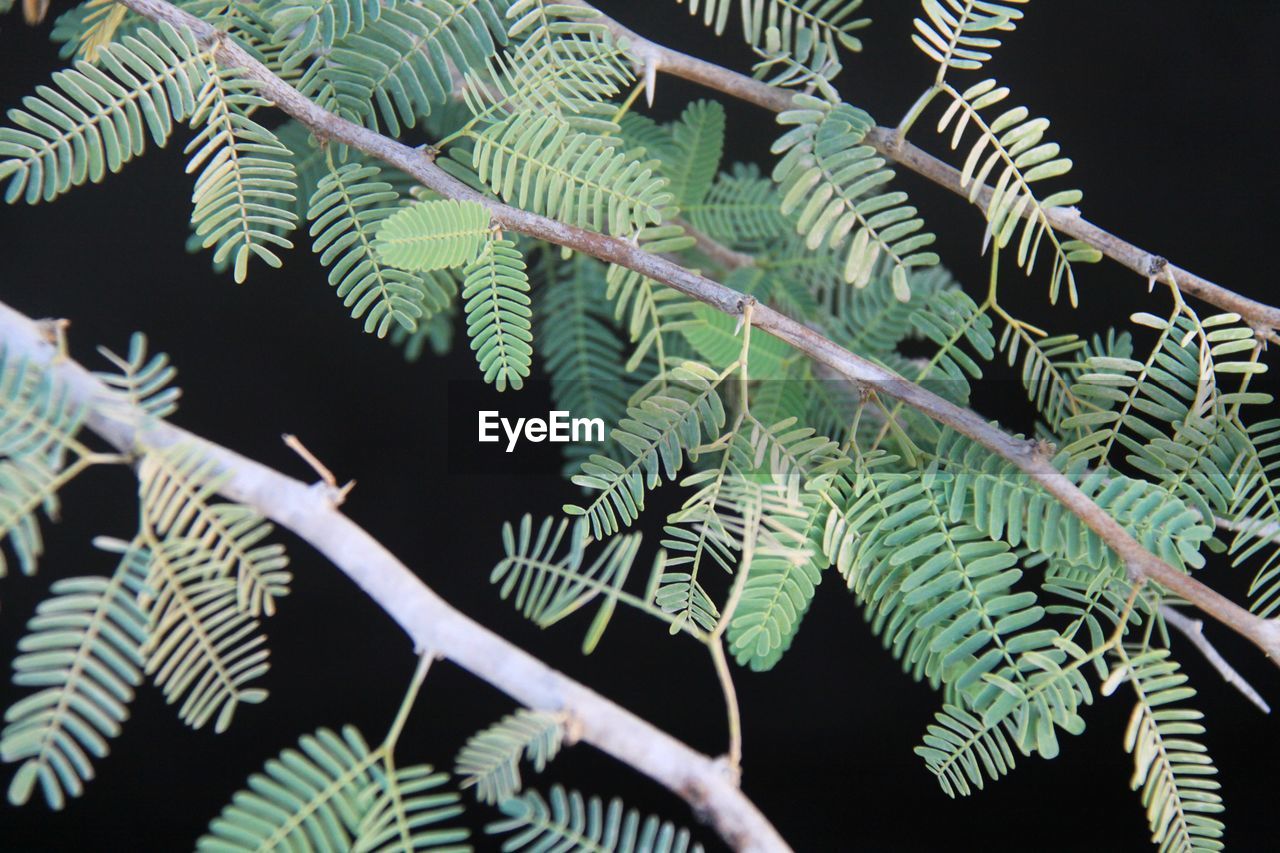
1264 318
311 512
1193 630
1025 455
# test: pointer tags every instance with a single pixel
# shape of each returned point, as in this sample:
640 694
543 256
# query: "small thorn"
650 81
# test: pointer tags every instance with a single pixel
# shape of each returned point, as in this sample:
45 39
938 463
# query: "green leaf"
713 335
434 235
496 301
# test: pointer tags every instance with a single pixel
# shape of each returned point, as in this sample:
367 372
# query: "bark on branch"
432 624
1264 318
1141 563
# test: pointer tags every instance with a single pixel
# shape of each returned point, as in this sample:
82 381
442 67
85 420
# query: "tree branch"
1264 318
1193 630
432 624
1140 563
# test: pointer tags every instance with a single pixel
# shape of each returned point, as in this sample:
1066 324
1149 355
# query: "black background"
1165 108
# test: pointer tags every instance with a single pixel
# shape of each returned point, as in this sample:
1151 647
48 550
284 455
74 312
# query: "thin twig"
425 660
730 259
1265 318
339 493
1252 526
1193 630
725 676
1026 455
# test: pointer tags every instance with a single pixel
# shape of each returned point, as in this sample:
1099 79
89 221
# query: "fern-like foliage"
307 27
490 760
711 333
657 434
540 163
962 751
1011 149
546 21
97 119
546 588
942 595
26 485
244 194
1001 500
797 23
697 535
698 139
639 131
954 322
330 793
741 208
569 821
83 650
495 296
210 576
1172 770
178 488
571 75
834 181
1257 509
396 68
141 382
201 649
651 313
873 321
102 20
1047 371
786 558
583 353
39 423
1096 601
409 810
960 34
348 207
433 235
1149 405
38 418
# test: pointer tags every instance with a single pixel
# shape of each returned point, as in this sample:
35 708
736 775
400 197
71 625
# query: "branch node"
1045 449
54 332
729 769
